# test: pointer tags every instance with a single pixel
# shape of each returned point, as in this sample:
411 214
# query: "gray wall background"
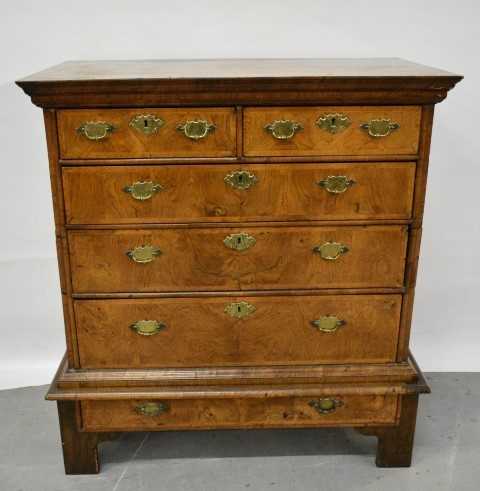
34 35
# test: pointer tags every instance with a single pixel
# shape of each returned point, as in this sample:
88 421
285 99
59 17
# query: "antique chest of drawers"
238 244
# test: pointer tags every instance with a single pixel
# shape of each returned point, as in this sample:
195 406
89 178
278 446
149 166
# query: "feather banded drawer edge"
238 244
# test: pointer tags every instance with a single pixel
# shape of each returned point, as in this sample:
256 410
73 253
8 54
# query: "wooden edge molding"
75 384
344 159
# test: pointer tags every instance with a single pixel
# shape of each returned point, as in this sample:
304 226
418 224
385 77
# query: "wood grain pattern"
199 333
128 142
239 413
315 141
95 195
197 259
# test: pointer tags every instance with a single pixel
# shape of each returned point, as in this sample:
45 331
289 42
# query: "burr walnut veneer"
238 244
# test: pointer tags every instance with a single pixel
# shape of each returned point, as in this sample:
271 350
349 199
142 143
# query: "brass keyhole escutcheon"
239 310
283 129
325 405
152 408
333 123
331 251
241 179
95 130
328 323
336 184
239 242
379 128
143 190
148 124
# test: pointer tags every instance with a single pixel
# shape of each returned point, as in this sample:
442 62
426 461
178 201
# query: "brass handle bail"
152 408
283 129
143 190
148 327
331 251
196 129
336 184
328 323
326 405
144 254
95 130
378 128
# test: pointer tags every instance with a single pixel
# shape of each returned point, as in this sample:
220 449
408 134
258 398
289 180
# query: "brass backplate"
240 310
148 327
326 405
283 129
95 130
380 127
196 129
143 190
239 242
241 179
328 323
152 408
148 124
336 184
144 254
331 251
333 123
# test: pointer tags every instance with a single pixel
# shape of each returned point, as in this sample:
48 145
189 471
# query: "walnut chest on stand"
238 244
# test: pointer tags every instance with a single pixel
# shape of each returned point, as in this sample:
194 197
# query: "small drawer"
259 331
323 131
260 192
246 412
146 133
215 259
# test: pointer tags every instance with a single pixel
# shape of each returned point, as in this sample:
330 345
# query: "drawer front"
179 193
313 131
145 133
276 412
196 259
278 330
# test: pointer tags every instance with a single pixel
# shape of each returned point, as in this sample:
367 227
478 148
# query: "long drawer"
147 133
276 330
212 259
338 130
247 412
266 192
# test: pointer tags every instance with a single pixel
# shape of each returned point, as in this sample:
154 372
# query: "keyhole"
240 178
145 123
239 240
239 309
334 122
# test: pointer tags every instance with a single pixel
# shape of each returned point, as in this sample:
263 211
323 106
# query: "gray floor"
447 455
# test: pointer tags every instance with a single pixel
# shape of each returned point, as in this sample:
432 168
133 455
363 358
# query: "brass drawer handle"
380 127
239 242
196 129
331 251
148 124
328 323
148 327
95 130
144 254
283 129
152 408
143 190
325 405
241 179
333 123
239 310
336 184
